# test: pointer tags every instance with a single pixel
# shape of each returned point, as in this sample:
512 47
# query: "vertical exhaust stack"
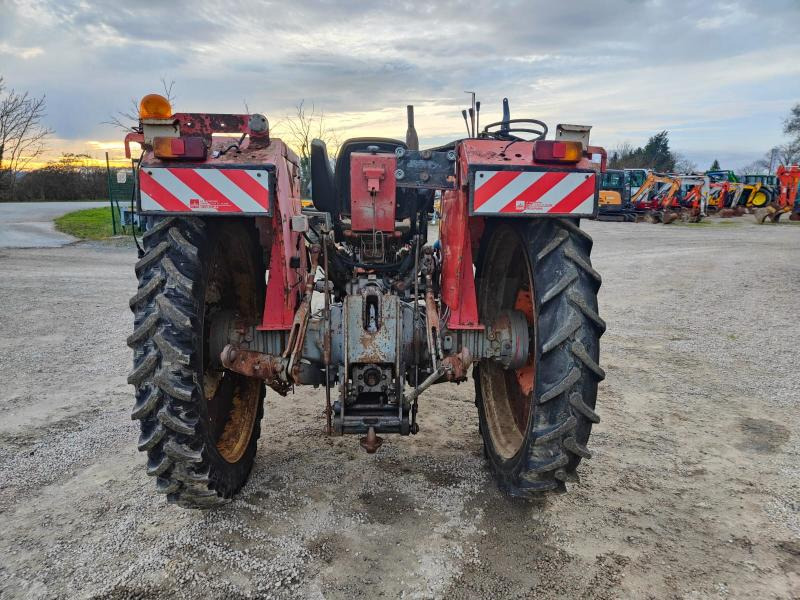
506 117
412 141
471 112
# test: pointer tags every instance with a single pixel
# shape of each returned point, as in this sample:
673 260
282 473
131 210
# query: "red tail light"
180 148
552 151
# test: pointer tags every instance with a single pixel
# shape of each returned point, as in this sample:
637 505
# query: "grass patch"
87 224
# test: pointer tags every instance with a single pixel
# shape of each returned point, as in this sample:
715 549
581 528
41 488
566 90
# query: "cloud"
23 53
630 68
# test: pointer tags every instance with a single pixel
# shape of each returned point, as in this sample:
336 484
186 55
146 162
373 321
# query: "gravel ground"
693 491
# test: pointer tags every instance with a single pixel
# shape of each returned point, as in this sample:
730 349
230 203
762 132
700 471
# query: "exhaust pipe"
506 117
412 141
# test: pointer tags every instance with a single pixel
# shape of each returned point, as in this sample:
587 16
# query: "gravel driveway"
30 224
693 491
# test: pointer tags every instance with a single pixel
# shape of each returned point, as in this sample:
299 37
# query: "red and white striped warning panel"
185 189
535 192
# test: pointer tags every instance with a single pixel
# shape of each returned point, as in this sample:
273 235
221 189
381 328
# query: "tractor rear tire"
535 421
199 423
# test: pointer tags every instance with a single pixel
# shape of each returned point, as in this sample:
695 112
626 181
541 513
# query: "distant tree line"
23 136
71 177
655 154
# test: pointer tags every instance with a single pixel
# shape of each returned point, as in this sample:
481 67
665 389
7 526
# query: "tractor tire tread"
563 283
143 331
167 393
565 384
568 370
146 402
579 405
147 290
579 350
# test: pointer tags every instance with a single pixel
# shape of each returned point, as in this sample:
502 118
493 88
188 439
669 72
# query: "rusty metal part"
415 405
372 323
371 442
509 339
297 334
432 325
429 381
373 192
457 365
252 364
206 124
431 310
326 349
525 374
524 304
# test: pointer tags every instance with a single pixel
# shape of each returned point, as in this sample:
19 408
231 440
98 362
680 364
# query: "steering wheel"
496 131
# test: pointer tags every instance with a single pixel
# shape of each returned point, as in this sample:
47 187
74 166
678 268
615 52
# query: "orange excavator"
648 202
693 205
787 200
664 204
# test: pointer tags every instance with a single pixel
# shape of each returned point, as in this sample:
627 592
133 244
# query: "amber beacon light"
154 106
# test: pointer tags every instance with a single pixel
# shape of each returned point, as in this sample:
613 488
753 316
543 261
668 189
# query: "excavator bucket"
669 216
770 212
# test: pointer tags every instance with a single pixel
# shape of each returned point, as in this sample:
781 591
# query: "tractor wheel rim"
231 399
507 394
759 199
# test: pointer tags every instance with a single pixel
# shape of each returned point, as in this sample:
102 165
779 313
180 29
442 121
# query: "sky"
719 76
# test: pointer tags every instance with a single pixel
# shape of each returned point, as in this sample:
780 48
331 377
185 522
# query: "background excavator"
615 196
787 200
666 198
649 199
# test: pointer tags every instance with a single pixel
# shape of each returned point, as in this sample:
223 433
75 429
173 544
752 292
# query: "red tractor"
241 289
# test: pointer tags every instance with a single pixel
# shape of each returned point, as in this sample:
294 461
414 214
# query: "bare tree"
128 119
785 154
684 164
791 126
301 128
22 135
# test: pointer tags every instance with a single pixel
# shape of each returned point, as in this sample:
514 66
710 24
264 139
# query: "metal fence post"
111 197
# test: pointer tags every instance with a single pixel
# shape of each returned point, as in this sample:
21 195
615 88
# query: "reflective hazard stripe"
176 189
534 192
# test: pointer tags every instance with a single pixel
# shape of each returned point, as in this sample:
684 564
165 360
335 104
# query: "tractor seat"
342 173
330 191
323 190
